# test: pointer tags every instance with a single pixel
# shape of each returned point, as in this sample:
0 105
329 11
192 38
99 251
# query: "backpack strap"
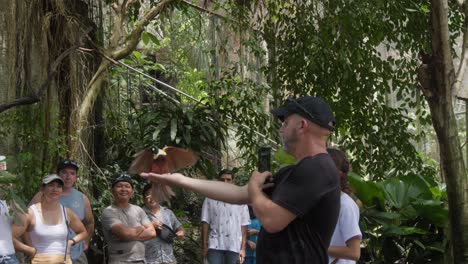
68 232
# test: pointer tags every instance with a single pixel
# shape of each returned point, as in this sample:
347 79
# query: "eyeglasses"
294 101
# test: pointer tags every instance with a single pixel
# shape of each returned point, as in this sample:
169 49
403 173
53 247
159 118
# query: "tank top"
6 243
48 239
74 201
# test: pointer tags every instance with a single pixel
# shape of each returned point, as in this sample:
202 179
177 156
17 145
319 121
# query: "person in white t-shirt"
7 251
345 245
224 228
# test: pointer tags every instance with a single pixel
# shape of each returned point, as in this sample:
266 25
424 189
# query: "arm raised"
216 190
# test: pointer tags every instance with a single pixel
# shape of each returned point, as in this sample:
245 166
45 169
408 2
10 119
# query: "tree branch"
116 53
36 96
134 38
204 10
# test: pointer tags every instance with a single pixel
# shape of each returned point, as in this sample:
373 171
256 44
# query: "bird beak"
160 153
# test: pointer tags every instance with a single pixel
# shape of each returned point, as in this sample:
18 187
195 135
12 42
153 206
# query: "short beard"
288 145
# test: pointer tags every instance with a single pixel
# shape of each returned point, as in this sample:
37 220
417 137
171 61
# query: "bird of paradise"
167 160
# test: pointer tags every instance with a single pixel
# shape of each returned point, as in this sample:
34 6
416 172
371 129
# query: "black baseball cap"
122 178
313 108
67 163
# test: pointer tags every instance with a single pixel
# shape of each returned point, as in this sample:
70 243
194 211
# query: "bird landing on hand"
161 161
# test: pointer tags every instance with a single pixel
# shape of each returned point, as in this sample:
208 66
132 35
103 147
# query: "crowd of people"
304 213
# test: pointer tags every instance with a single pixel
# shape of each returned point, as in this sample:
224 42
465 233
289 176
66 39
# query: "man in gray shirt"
125 225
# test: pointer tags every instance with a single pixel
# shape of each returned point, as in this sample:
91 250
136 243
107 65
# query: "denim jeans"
9 259
250 260
81 260
222 257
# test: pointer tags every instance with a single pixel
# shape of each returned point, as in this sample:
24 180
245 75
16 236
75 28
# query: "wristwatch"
73 240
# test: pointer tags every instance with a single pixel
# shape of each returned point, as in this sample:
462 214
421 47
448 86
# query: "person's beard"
289 142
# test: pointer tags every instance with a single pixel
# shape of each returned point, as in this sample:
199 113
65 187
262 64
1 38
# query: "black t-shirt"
310 190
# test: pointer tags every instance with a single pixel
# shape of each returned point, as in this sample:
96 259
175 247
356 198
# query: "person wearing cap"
125 225
78 202
298 211
48 223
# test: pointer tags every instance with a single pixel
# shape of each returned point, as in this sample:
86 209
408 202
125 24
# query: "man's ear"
304 123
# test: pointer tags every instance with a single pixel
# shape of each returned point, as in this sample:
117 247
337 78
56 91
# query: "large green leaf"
398 193
432 211
396 230
369 193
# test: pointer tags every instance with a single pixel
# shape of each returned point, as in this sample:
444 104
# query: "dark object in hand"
264 157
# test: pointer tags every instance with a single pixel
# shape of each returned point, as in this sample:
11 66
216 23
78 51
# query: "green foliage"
196 127
404 215
360 55
238 101
362 64
282 158
37 144
7 178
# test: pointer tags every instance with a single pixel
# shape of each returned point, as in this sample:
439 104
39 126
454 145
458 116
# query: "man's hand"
252 231
242 256
251 244
157 224
257 181
205 252
180 234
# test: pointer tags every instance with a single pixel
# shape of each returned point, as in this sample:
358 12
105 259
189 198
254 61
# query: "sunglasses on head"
70 162
123 177
294 101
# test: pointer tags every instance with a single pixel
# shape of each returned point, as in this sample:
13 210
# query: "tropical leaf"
432 211
370 193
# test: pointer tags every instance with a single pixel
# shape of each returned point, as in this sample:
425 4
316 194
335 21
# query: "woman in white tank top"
47 224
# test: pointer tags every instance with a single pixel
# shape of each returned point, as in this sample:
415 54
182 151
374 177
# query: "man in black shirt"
299 213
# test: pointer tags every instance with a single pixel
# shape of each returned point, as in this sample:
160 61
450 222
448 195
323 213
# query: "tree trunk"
438 88
121 45
33 35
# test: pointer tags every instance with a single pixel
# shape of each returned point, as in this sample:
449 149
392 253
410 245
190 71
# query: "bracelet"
73 240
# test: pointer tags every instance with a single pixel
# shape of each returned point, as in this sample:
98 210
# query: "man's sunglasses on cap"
294 101
67 163
122 178
312 117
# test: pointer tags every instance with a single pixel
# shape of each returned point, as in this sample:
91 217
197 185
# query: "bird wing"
142 162
179 158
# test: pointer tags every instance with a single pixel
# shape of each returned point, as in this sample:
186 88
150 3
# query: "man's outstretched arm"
216 190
